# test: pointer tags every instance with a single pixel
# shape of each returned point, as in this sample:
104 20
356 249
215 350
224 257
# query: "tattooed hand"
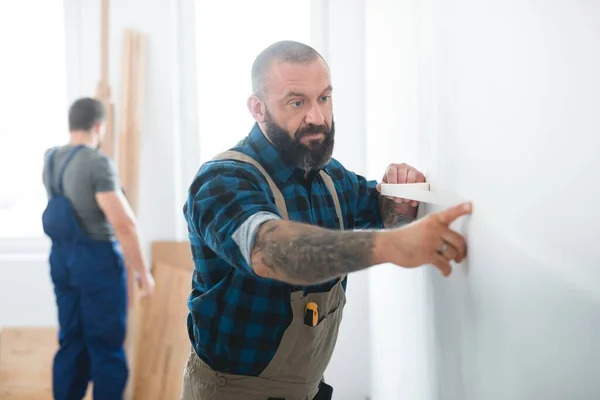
395 211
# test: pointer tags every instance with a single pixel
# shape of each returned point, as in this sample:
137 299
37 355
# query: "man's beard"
293 151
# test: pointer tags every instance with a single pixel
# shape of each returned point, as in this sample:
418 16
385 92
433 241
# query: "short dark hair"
84 113
283 51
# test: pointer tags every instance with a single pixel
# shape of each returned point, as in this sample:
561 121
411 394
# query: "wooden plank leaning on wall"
162 345
133 82
103 91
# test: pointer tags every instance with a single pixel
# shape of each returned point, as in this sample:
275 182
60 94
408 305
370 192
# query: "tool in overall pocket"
311 314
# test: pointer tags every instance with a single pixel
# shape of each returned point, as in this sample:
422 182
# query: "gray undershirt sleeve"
104 175
245 235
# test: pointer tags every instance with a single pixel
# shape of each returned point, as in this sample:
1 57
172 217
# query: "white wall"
505 109
401 366
26 296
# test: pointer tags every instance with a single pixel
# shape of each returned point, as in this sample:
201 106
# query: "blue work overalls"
91 294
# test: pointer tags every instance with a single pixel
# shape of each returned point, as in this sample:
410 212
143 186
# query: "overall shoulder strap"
64 166
237 156
336 201
338 210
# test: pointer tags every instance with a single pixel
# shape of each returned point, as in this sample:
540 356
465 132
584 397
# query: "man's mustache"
312 129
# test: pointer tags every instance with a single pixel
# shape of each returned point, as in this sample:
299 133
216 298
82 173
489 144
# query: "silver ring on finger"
442 249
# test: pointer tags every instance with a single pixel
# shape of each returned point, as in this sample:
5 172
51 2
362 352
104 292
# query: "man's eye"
297 104
325 99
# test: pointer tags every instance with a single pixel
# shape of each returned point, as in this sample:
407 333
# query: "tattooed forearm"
395 215
305 254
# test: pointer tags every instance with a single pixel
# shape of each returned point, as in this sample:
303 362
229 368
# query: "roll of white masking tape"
420 192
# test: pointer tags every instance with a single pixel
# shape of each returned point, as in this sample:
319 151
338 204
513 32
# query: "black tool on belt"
325 393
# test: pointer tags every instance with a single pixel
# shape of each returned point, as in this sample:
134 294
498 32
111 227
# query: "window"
229 35
33 104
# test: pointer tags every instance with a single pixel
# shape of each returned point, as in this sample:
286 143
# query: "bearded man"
275 226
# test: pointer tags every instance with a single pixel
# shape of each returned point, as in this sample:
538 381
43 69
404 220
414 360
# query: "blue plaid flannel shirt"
236 318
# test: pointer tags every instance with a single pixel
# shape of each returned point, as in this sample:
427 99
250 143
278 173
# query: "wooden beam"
137 114
132 96
124 117
130 116
103 91
125 108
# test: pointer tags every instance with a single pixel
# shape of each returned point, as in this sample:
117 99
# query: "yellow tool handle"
311 314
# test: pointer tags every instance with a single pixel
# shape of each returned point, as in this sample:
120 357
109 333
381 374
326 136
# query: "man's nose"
315 115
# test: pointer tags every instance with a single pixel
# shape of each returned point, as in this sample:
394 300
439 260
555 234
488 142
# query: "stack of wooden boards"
161 343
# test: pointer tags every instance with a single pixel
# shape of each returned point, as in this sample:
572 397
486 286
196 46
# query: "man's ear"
98 127
257 108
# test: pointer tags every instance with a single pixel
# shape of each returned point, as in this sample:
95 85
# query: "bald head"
286 51
291 102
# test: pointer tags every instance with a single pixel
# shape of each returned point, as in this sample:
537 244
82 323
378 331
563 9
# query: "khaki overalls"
300 361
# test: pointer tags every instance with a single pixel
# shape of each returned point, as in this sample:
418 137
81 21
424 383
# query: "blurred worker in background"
275 226
92 228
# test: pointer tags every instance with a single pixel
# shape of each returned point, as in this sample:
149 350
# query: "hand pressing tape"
420 192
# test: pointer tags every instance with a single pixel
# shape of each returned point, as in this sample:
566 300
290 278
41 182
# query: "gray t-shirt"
88 172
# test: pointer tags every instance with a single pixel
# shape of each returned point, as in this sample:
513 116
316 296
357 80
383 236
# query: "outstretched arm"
230 210
304 254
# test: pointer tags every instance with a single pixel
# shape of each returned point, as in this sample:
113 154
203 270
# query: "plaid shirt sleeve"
224 195
361 195
367 214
